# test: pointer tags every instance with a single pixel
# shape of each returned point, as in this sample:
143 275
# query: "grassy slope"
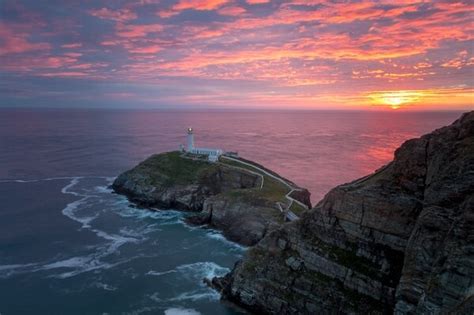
171 169
272 189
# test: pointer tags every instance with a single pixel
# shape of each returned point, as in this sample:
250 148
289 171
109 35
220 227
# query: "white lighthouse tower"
190 140
212 154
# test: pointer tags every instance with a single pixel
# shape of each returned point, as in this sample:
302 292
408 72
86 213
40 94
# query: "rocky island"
239 197
397 241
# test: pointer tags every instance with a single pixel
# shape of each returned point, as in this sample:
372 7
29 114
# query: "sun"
395 99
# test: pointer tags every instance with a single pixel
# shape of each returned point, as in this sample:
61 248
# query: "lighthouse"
190 140
212 154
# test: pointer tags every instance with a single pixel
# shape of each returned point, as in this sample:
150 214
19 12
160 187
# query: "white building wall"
212 154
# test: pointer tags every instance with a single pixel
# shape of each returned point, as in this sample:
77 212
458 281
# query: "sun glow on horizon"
396 99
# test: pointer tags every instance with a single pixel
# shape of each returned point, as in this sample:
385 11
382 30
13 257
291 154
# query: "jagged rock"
223 196
397 241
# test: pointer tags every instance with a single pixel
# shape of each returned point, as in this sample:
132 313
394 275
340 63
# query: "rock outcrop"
224 196
398 241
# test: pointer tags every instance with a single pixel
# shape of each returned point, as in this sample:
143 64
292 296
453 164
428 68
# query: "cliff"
397 241
235 196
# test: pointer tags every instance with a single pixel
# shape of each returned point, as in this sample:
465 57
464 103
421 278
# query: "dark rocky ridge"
223 196
398 241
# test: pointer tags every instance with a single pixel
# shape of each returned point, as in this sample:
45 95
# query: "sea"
69 245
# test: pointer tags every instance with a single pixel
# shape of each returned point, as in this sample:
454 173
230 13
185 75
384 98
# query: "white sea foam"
218 236
72 183
163 217
201 270
195 271
73 211
197 295
158 273
9 270
181 311
15 266
33 180
69 263
82 211
20 180
105 286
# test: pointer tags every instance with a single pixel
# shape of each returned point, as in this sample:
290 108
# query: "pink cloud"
122 15
232 10
199 4
138 30
146 49
64 74
257 1
15 41
73 45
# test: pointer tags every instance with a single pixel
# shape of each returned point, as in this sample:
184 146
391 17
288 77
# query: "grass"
272 189
171 168
297 209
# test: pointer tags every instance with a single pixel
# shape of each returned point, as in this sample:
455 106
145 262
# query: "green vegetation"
297 209
265 169
255 256
171 168
272 189
177 168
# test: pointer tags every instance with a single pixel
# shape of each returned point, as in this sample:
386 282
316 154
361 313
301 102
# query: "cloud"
137 30
121 15
232 10
13 40
257 1
199 4
299 51
146 49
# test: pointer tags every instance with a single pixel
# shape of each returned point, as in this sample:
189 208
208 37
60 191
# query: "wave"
181 311
197 295
216 235
201 270
93 201
9 270
105 286
195 271
21 180
165 217
158 273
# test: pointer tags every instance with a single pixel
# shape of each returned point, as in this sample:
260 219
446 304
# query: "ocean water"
68 245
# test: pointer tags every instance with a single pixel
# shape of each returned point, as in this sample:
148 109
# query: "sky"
297 54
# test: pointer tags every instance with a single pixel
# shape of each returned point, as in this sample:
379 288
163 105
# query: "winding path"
290 215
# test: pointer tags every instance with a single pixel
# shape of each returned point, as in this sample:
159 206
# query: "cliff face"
399 240
225 196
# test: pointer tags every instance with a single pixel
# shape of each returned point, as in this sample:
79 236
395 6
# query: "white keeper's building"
212 154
